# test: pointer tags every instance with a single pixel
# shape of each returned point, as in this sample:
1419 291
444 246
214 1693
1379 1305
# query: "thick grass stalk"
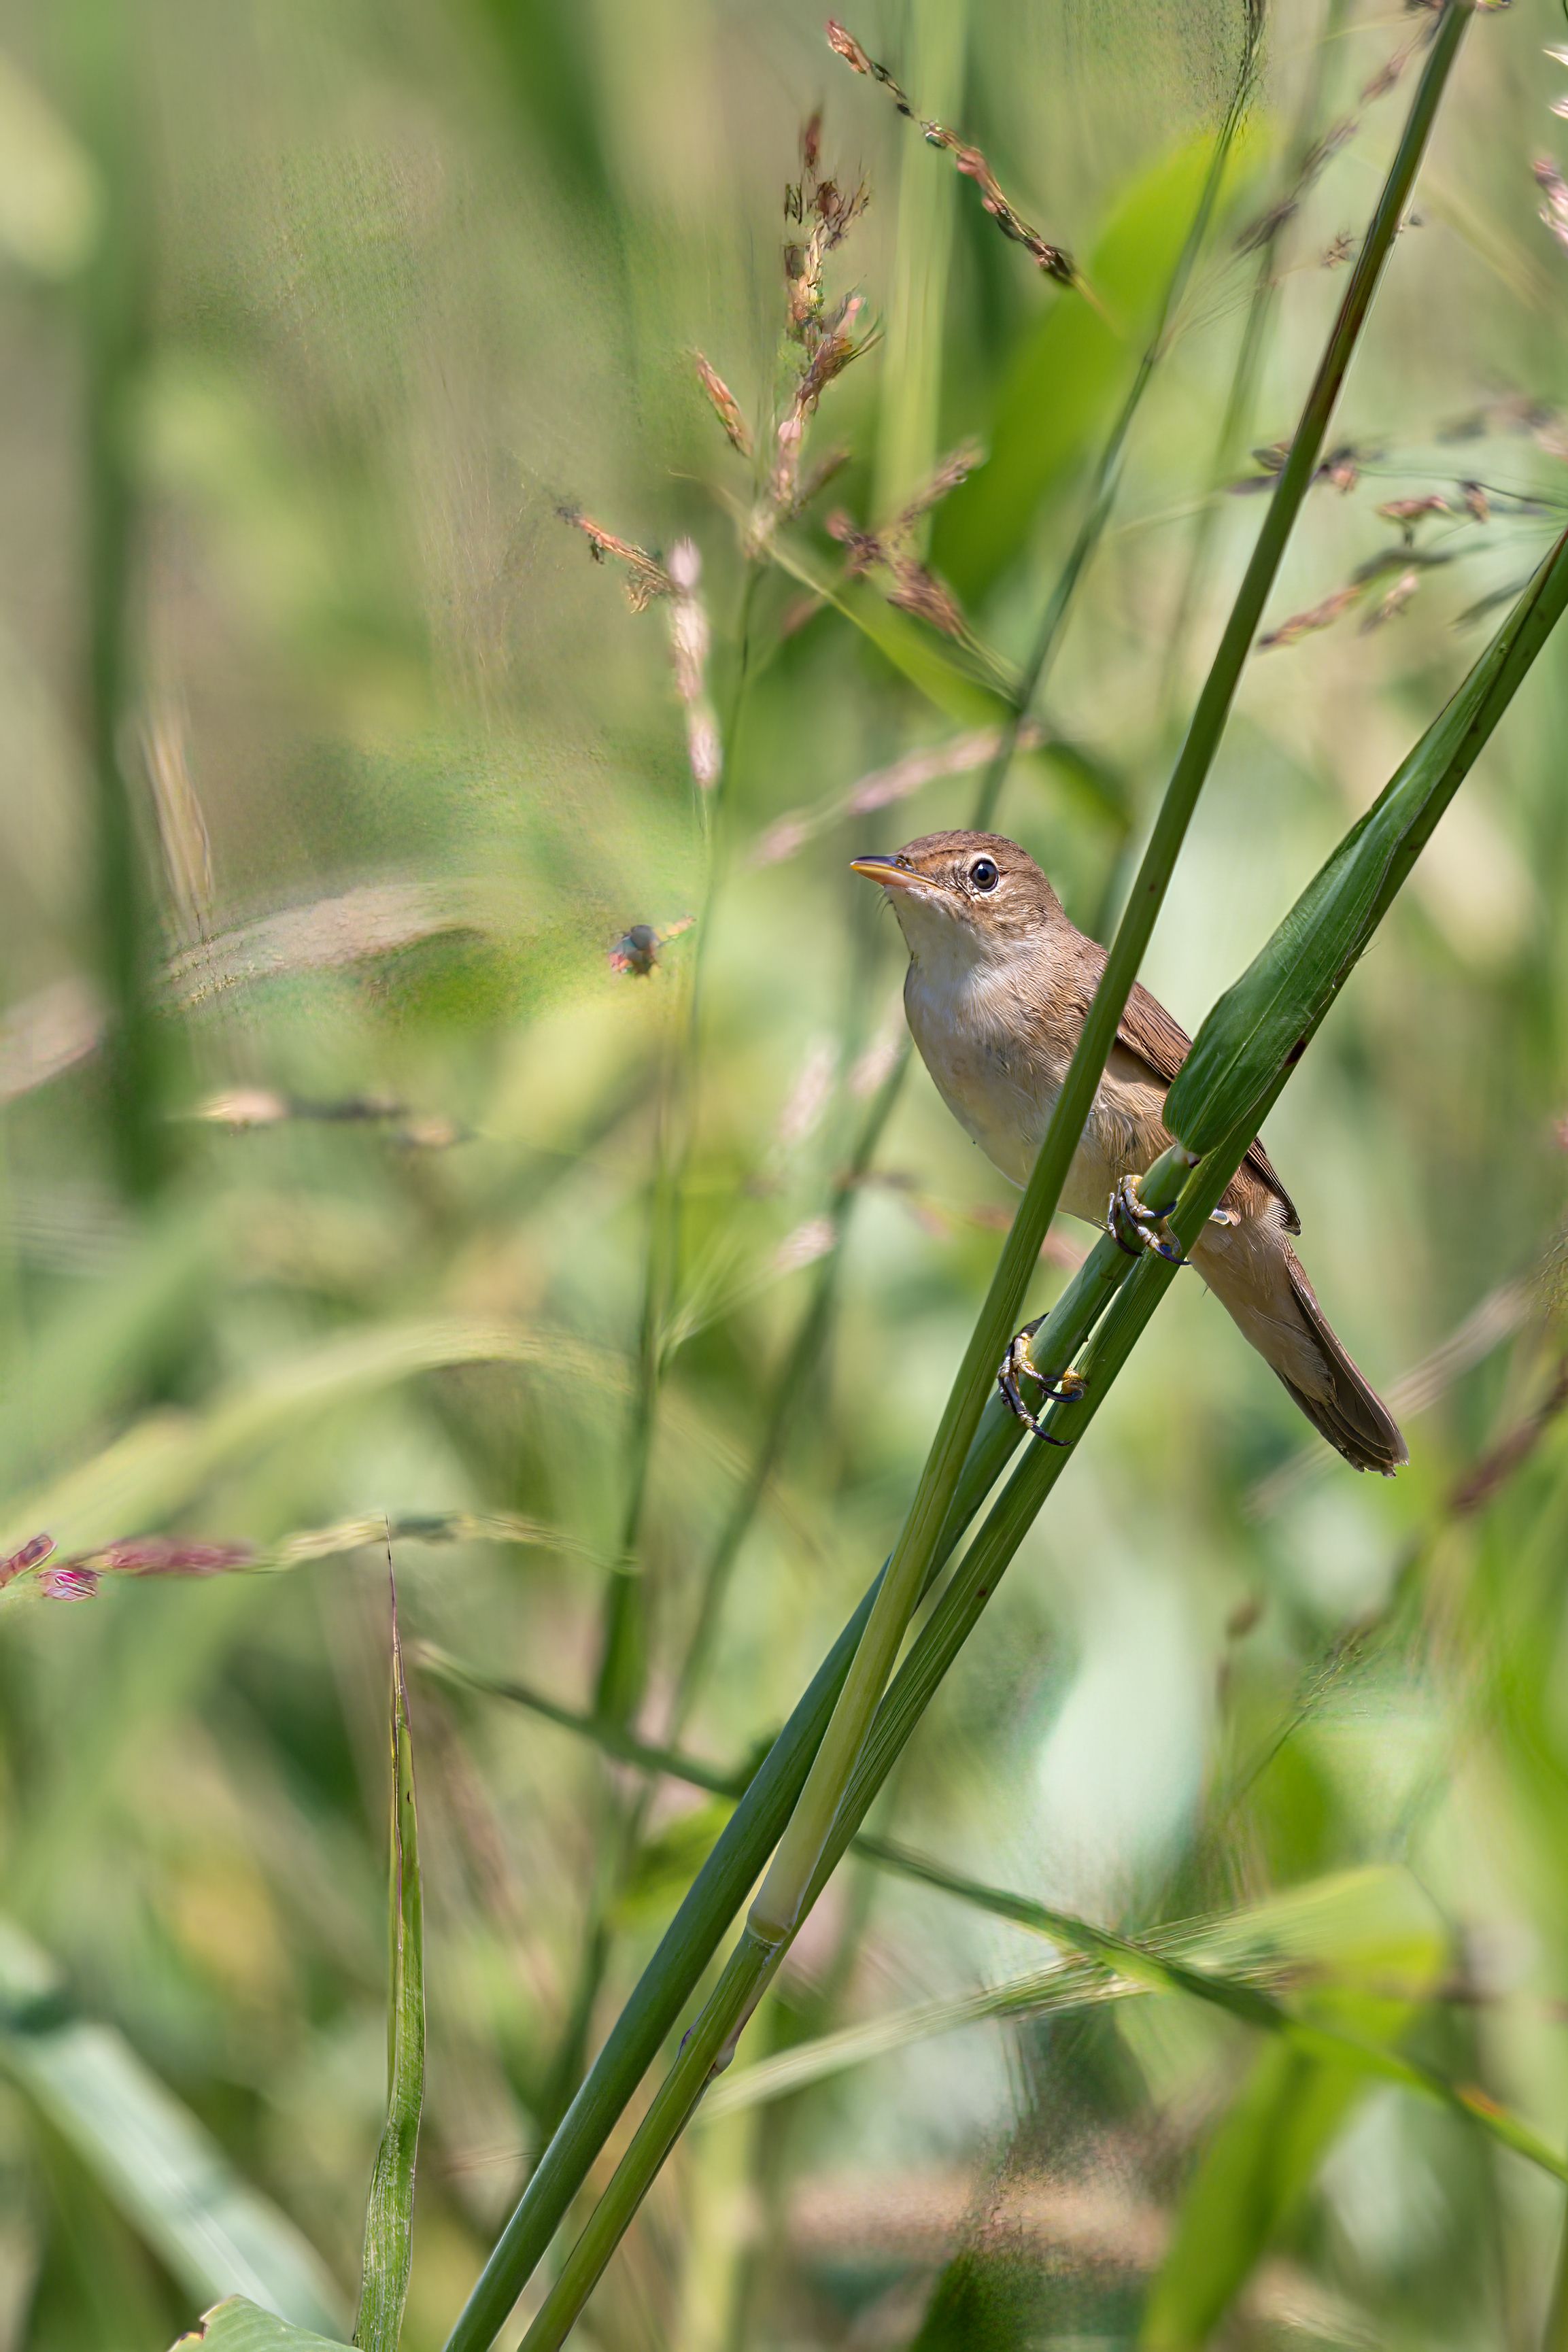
622 1653
792 1385
778 1905
389 2210
1107 470
756 1958
674 2103
720 1886
114 292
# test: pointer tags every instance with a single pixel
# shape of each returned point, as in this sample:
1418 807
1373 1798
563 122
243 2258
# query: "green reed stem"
623 1658
757 1957
790 1388
114 323
1239 400
623 1666
722 1884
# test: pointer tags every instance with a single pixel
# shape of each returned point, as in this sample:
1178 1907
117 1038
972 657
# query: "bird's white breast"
999 1067
966 1022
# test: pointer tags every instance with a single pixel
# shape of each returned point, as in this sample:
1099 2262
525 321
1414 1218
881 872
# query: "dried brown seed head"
646 576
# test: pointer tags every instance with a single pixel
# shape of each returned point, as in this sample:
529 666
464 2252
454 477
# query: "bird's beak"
886 870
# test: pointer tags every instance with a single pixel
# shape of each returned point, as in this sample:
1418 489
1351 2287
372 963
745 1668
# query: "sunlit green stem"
114 291
389 2208
673 2105
723 1884
793 1382
623 1656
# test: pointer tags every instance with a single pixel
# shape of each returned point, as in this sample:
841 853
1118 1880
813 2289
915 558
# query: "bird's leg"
1017 1366
1135 1228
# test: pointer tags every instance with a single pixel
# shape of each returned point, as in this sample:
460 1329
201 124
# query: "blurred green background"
330 771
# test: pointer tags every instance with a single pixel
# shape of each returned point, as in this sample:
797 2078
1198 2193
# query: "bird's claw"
1135 1228
1017 1366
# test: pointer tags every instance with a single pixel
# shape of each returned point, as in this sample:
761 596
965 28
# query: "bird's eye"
984 874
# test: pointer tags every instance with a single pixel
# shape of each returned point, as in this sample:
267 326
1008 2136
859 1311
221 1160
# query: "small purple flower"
71 1582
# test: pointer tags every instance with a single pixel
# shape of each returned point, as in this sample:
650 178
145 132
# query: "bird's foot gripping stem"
1017 1366
1134 1227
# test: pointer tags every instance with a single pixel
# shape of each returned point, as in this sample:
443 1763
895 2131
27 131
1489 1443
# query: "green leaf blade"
237 2325
1259 2164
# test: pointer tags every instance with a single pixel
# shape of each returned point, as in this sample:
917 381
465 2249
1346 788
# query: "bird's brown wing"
1148 1031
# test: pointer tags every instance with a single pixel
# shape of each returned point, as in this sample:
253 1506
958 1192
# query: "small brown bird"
997 991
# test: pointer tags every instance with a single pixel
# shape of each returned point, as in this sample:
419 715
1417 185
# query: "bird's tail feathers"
1347 1409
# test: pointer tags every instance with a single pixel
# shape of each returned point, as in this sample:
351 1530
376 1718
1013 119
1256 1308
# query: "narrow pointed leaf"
1265 2152
389 2212
1260 1024
1255 2169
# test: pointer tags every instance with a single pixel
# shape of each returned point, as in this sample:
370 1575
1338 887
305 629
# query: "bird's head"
964 898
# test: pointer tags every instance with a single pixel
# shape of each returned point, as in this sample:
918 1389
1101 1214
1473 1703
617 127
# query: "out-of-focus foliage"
314 321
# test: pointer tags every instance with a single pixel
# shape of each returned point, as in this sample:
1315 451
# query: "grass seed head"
1316 616
1051 259
1554 188
69 1583
1390 604
33 1553
1408 513
646 575
725 406
917 590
